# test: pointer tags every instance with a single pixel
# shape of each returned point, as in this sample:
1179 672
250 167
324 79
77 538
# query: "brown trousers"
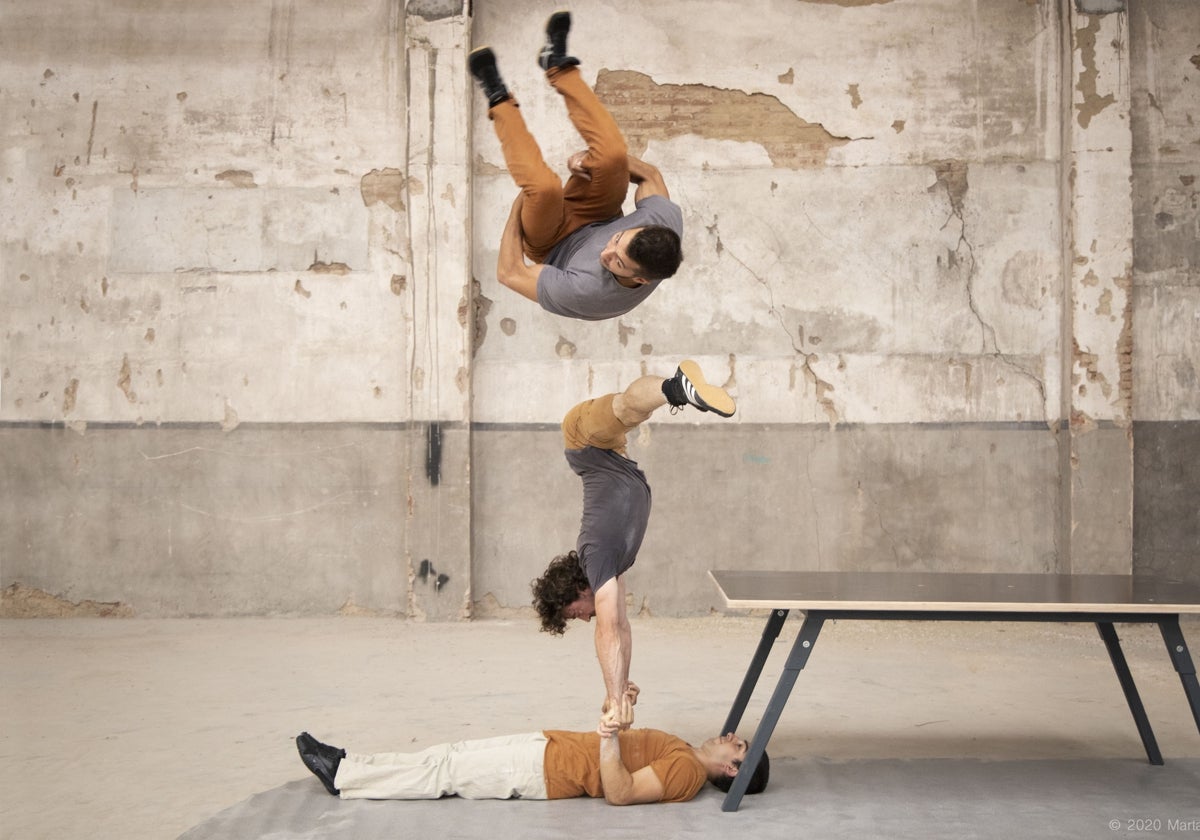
553 210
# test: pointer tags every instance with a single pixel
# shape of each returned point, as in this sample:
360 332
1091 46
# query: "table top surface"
953 591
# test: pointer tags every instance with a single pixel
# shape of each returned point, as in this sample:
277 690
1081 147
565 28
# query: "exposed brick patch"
647 111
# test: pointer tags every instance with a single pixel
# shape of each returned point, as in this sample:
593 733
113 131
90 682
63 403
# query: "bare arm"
620 786
511 269
648 179
614 642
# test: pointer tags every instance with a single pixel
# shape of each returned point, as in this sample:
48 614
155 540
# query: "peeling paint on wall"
230 420
480 306
238 178
124 380
19 601
319 267
564 348
649 111
1093 103
383 186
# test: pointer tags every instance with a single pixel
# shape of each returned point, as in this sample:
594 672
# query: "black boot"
321 759
482 63
554 54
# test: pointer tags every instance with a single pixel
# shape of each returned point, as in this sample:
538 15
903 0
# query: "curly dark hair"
657 250
557 589
758 782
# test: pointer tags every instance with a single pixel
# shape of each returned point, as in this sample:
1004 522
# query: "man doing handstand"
588 261
590 581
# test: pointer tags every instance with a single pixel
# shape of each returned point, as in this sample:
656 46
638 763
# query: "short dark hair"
758 782
657 250
557 589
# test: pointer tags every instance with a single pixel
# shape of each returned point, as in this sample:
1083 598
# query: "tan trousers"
552 211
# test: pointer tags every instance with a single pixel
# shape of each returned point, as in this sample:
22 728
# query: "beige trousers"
508 767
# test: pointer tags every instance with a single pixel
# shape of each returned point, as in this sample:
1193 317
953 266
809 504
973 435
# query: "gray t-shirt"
575 285
616 509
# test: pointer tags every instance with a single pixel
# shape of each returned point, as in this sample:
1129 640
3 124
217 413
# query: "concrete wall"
255 359
1165 80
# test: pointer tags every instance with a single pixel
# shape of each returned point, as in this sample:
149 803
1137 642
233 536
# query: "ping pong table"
1104 600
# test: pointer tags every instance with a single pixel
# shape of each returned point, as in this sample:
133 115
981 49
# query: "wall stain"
383 186
399 283
623 333
300 290
433 453
230 420
428 572
855 99
239 178
647 111
508 326
69 396
564 348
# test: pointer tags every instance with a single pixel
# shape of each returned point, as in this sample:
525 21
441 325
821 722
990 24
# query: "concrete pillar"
437 356
1098 503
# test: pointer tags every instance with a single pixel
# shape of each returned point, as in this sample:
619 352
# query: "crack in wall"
822 387
952 176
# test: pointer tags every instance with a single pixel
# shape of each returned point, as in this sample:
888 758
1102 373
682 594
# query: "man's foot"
687 387
554 54
482 64
321 759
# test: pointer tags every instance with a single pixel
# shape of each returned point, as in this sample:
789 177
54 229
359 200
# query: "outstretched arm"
511 269
614 643
620 786
648 179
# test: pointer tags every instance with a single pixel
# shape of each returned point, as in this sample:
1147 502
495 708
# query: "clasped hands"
618 715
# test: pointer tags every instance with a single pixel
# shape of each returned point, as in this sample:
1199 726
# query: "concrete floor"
150 729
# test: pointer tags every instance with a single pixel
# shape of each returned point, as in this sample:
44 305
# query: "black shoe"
482 64
687 387
321 759
554 54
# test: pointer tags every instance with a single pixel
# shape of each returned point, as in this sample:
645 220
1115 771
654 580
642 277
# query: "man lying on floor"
626 768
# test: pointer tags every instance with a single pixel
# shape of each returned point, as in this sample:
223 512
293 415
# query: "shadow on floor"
895 798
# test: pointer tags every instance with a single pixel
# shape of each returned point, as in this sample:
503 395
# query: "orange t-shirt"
573 763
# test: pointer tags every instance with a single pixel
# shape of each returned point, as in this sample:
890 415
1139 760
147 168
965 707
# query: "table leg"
1109 635
1177 648
769 634
796 661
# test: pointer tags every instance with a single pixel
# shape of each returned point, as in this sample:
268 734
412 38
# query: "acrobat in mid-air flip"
625 768
567 246
589 582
